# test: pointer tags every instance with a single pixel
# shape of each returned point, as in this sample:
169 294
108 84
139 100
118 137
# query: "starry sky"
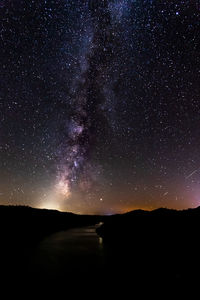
100 104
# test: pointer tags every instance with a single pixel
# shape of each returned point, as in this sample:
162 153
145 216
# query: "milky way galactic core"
99 104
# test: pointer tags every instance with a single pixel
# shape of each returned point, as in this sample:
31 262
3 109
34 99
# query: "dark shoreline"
29 225
139 246
155 246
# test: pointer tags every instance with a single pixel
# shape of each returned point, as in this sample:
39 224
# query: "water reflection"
100 241
77 250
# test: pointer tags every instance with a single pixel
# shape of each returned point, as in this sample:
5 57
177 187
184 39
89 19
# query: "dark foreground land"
161 246
29 225
22 230
49 247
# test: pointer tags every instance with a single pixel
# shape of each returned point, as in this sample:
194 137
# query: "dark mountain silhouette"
29 225
160 224
156 246
139 247
22 229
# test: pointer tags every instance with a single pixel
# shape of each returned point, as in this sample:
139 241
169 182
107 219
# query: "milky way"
99 104
88 102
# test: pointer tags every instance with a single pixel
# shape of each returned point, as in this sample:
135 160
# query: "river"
70 254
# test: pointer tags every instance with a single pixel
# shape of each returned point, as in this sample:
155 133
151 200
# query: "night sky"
100 104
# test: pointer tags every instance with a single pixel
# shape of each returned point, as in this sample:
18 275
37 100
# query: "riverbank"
26 225
160 245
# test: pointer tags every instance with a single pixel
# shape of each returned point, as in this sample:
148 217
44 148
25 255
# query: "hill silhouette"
161 224
138 247
160 245
22 229
29 225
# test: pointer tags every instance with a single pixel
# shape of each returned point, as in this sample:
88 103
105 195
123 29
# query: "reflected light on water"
100 241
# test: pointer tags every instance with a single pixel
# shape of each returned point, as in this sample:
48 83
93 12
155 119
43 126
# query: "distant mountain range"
28 225
138 246
159 224
23 222
154 246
